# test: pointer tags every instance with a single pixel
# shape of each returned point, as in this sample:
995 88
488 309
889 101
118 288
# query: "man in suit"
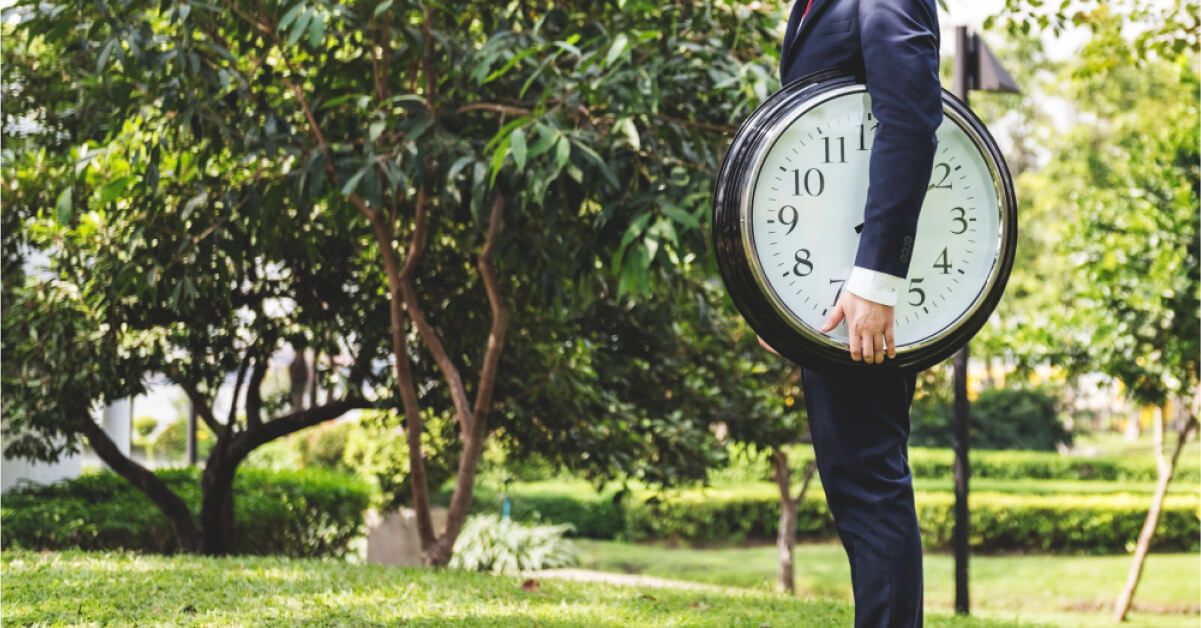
860 420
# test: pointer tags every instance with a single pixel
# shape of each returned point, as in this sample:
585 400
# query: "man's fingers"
856 355
833 319
868 349
879 348
892 345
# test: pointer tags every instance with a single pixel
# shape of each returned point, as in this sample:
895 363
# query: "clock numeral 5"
813 180
914 290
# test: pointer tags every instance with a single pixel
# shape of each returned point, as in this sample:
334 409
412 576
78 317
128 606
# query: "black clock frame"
736 268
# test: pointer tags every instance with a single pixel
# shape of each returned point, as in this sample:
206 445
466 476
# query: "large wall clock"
790 196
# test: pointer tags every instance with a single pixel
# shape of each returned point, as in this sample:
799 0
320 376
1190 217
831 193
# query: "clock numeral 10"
814 182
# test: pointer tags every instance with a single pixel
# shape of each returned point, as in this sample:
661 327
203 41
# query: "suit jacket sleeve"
900 55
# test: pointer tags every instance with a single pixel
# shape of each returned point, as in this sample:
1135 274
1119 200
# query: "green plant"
503 546
294 513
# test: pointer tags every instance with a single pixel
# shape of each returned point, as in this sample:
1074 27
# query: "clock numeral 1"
914 290
813 180
802 259
842 149
941 263
863 132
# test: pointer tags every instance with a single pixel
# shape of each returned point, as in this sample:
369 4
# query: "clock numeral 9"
788 216
802 259
813 180
914 290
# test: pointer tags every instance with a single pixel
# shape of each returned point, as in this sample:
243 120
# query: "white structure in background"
117 420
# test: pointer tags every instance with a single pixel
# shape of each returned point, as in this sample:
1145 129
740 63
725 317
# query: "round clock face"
788 209
806 211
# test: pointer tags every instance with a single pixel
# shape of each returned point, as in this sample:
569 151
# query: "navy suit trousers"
860 426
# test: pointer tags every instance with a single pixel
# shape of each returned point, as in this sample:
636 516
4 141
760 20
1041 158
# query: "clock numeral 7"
838 292
914 290
813 180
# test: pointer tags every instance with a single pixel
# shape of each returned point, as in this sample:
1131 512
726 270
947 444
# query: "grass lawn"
129 589
1063 590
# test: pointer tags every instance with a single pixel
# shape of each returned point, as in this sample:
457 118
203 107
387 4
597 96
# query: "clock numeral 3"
960 219
802 259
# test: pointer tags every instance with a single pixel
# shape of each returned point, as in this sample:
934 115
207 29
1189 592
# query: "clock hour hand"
859 228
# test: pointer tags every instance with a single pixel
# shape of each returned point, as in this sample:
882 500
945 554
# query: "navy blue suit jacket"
893 46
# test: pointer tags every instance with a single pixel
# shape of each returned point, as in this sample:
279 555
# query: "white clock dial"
806 209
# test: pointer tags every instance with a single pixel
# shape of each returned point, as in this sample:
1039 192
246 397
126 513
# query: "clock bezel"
745 278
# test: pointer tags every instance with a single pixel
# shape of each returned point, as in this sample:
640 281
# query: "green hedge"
1037 465
293 513
1097 524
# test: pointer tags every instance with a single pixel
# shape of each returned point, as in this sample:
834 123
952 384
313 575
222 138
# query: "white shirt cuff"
874 285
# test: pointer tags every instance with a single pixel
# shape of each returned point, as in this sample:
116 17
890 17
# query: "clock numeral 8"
802 259
810 182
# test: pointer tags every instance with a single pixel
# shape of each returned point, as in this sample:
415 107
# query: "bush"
1037 465
1000 521
503 546
1001 418
293 513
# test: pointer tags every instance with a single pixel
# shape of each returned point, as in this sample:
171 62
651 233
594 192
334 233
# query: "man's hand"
869 327
763 343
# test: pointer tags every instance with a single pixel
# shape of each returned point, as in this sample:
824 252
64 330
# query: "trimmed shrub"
293 513
1097 524
503 546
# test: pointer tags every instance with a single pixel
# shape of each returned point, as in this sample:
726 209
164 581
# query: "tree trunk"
217 501
789 505
1166 467
187 537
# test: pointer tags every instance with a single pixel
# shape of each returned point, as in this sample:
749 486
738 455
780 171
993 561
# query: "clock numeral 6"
914 290
802 259
813 180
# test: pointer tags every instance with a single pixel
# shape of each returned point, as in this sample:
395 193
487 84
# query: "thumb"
833 319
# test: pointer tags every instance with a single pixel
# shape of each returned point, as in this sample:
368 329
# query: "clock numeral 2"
813 179
942 181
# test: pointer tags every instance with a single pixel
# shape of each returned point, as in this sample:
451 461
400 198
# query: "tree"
447 167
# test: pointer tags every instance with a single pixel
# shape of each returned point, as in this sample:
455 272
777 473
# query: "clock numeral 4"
942 263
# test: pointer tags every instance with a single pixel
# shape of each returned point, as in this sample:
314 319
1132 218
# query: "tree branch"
254 393
500 318
203 409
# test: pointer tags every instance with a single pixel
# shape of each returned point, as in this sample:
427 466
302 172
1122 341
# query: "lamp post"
975 69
